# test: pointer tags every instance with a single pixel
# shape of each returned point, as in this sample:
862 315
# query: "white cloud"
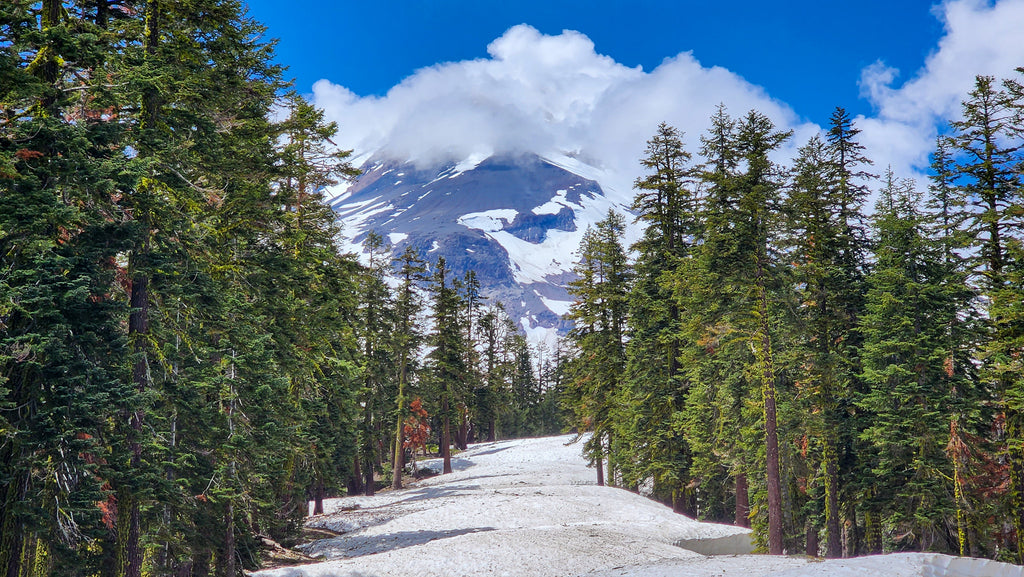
544 94
981 38
557 94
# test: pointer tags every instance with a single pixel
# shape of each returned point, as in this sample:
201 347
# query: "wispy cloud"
981 38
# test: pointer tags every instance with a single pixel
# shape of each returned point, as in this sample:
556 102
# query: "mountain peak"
514 219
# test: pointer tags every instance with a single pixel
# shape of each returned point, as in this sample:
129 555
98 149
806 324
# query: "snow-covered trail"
530 508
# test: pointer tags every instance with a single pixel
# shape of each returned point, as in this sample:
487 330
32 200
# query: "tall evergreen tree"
826 247
600 309
447 360
654 389
377 360
736 269
406 342
988 145
62 377
716 371
916 386
488 398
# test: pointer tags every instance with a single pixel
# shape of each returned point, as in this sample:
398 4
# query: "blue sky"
807 53
451 80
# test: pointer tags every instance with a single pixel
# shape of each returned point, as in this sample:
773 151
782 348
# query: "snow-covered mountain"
516 220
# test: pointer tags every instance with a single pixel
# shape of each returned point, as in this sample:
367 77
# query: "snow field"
531 508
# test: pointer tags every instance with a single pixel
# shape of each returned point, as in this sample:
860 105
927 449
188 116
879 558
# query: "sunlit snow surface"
530 508
490 220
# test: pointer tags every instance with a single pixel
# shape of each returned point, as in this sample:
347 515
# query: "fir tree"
987 145
654 391
826 252
447 360
406 342
600 315
915 385
735 269
376 357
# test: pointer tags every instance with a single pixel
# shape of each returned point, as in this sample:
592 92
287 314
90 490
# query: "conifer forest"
816 348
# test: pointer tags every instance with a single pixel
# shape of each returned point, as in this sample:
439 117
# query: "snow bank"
531 508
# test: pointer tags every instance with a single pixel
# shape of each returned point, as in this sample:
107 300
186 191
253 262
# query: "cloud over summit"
539 93
556 93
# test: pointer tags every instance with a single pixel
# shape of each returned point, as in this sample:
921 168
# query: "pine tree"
654 391
376 360
447 360
61 229
824 243
489 396
713 414
915 385
472 302
756 137
734 268
600 309
987 144
306 292
406 343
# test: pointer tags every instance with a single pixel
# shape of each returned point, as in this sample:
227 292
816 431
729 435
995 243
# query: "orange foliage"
26 154
108 508
416 427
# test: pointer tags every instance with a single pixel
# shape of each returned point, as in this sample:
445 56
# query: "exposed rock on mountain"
515 220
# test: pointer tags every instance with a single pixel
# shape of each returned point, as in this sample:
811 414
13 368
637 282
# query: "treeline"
186 359
464 363
770 354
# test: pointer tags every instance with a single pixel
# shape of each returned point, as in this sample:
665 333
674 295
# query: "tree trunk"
958 493
355 481
12 534
130 553
318 496
129 532
398 463
600 471
201 563
1015 454
812 540
369 485
611 477
446 450
852 529
742 502
230 570
873 530
463 433
490 430
683 503
833 538
770 420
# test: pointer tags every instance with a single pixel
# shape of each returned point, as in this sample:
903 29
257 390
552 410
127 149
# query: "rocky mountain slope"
516 220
